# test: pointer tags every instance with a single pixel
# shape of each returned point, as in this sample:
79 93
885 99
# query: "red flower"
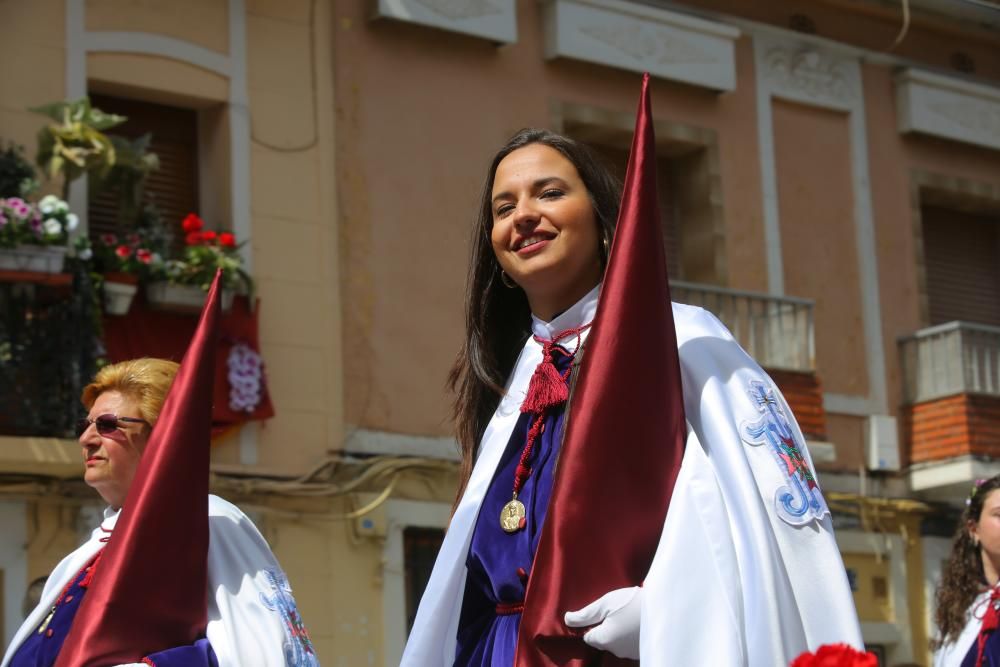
192 223
144 255
836 655
208 235
134 239
109 239
123 251
193 238
227 239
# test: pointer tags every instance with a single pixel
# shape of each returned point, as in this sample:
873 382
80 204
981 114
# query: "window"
420 549
688 186
173 188
962 271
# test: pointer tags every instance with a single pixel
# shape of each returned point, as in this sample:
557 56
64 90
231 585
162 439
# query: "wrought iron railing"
951 358
48 349
777 331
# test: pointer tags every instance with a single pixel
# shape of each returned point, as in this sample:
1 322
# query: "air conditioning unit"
882 444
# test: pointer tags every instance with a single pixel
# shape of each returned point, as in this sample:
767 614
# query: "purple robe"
41 648
499 562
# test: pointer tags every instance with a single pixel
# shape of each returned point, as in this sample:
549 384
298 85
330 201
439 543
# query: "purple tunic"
41 648
991 655
486 638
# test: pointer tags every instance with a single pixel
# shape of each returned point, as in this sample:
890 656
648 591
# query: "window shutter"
174 186
962 271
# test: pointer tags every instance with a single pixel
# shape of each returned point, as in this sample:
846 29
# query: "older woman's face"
111 459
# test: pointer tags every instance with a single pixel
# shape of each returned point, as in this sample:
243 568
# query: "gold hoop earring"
607 246
506 280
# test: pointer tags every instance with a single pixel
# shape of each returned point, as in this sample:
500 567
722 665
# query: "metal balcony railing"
951 358
48 352
777 331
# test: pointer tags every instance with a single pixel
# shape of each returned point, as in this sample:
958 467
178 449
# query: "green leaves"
75 143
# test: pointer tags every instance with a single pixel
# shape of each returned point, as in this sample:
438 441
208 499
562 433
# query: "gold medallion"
512 516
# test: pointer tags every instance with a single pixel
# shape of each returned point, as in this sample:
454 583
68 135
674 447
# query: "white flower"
51 226
62 207
72 221
85 254
48 204
245 378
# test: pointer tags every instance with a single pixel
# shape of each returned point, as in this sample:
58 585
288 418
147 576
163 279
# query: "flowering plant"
48 222
135 253
205 251
836 655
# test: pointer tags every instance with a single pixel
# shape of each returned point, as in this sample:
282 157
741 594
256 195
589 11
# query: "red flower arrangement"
127 258
205 251
836 655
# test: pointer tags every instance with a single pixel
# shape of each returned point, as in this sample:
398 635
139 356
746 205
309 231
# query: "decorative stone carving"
494 20
644 43
462 9
638 38
948 107
809 75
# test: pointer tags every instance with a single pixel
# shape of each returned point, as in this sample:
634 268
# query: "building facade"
830 181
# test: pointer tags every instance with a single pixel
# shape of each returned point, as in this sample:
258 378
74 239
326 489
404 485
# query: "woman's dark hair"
497 318
963 577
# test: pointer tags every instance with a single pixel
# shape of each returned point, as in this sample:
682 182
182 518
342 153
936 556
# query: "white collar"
580 313
110 518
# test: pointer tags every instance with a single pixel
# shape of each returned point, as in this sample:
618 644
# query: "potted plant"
185 280
33 237
75 144
17 176
124 261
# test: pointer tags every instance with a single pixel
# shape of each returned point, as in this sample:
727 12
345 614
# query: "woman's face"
987 529
544 232
111 459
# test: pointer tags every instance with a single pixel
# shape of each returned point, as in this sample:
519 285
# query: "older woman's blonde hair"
146 381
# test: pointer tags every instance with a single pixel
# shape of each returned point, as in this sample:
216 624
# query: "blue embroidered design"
297 647
800 501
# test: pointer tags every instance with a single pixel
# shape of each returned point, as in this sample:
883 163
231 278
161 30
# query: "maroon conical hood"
625 433
148 592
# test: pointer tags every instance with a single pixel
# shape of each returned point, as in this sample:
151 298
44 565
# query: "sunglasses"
105 423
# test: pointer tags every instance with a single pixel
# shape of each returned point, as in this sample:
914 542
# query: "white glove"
616 615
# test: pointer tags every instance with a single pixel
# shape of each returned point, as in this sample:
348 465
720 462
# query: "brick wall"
954 426
805 396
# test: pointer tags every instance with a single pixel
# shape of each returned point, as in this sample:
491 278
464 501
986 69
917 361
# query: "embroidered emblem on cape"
297 647
799 501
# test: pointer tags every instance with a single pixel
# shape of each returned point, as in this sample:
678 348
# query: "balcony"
951 417
777 331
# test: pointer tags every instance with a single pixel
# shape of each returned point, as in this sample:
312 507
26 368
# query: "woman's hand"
616 615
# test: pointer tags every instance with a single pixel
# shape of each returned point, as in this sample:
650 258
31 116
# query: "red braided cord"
523 472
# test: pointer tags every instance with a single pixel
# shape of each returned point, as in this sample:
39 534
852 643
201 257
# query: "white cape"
249 600
952 653
732 582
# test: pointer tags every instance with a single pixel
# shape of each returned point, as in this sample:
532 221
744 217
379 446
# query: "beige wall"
818 239
420 114
38 46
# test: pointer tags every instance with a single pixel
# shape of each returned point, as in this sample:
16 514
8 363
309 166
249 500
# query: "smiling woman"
544 236
252 617
540 245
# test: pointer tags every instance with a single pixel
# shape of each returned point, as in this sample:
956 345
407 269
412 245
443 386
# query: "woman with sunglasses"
732 583
252 617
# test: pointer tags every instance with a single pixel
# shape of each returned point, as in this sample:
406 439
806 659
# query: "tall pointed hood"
625 433
148 591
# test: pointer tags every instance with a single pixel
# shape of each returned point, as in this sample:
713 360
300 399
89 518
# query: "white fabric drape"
732 582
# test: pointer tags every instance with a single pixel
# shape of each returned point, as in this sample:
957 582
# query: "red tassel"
547 387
